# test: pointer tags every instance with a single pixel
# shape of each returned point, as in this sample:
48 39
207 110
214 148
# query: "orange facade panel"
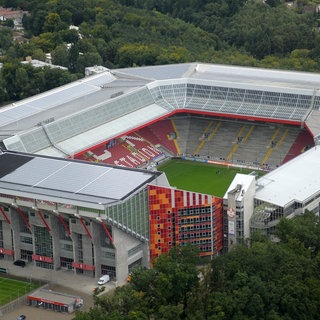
178 217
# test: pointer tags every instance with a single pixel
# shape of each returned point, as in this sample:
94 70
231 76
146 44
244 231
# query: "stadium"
79 189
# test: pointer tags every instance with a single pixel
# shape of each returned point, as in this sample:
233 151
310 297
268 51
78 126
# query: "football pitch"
11 289
200 177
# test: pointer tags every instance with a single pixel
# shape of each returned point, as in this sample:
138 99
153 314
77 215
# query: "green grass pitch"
200 177
11 289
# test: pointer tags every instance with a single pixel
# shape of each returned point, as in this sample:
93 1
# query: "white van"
104 279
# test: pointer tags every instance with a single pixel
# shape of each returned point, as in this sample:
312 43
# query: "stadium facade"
93 218
96 219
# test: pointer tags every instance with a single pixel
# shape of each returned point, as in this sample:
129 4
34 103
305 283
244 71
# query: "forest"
261 280
129 33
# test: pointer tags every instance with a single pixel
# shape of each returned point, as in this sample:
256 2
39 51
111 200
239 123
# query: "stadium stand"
302 143
128 151
105 219
281 146
253 144
116 102
182 128
161 133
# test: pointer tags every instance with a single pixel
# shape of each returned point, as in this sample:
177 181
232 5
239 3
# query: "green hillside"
129 33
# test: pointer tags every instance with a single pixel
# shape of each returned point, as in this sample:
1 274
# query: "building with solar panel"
94 218
78 186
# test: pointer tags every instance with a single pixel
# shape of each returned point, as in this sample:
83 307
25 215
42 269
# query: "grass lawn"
11 289
200 177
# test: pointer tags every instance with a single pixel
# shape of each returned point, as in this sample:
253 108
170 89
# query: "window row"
192 235
194 220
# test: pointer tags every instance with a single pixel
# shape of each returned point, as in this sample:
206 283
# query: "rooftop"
43 295
296 180
68 181
241 181
75 117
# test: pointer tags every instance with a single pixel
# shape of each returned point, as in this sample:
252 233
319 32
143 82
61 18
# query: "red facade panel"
42 258
83 266
179 217
6 251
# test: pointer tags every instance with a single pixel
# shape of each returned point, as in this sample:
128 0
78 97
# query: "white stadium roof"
297 180
75 117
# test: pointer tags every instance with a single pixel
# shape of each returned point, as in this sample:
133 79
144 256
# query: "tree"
305 229
5 39
56 77
88 59
174 54
60 56
136 54
21 82
53 23
73 54
46 41
273 3
3 94
39 55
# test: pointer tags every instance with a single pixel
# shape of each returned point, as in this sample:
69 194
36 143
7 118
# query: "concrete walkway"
65 281
66 278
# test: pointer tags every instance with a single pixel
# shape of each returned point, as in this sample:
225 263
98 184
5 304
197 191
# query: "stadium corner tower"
78 186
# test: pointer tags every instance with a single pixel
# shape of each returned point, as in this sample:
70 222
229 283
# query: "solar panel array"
50 176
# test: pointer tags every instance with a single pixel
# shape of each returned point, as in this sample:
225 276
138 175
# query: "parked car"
20 263
104 279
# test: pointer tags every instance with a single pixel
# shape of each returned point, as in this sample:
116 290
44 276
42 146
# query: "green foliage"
161 292
262 30
5 39
304 229
123 33
98 290
22 80
272 281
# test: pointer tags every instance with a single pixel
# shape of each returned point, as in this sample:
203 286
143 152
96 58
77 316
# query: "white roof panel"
252 91
244 180
53 98
297 180
294 79
51 152
109 130
69 179
162 72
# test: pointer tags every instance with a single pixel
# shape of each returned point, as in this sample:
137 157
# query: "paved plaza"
61 281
